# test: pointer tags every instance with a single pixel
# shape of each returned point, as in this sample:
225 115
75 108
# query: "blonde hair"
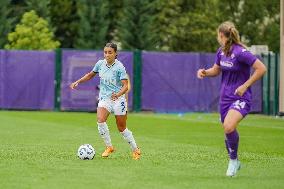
232 34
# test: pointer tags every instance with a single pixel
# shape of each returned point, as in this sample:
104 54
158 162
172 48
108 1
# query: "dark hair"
112 45
231 33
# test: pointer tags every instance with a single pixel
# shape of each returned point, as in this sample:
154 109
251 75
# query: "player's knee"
228 128
101 119
121 128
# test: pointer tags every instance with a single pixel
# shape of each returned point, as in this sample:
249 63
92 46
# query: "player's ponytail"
231 33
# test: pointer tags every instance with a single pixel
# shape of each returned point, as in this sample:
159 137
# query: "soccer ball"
86 152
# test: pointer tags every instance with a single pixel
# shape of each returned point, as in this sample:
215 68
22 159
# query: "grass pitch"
38 150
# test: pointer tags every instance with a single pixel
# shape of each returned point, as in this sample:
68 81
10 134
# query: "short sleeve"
246 57
218 56
97 67
122 73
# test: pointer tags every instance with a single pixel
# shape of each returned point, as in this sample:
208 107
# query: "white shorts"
118 107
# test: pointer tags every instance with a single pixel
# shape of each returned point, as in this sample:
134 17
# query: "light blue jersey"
110 77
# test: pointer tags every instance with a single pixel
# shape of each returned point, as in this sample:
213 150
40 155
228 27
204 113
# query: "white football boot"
233 167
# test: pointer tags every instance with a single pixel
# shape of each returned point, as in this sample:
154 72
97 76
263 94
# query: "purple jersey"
235 72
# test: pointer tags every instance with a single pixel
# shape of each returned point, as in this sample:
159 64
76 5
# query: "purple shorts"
241 106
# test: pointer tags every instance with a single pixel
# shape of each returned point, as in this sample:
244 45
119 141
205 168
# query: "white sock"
127 135
104 132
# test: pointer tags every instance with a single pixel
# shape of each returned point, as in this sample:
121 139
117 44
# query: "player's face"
109 54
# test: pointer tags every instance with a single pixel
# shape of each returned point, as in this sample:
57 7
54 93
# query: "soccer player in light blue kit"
113 86
234 61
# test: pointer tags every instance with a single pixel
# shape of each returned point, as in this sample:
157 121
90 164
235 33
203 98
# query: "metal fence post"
57 81
276 85
268 84
137 70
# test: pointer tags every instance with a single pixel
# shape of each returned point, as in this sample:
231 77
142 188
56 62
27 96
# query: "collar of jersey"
110 65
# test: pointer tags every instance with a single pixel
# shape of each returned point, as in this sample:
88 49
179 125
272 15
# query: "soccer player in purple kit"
234 61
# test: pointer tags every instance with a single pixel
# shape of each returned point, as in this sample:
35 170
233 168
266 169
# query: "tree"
176 25
94 24
257 21
271 36
186 25
17 9
196 27
41 7
135 25
271 29
5 21
65 21
32 34
115 10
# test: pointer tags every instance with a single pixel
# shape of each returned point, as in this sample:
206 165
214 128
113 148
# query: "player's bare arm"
211 72
259 71
123 90
85 78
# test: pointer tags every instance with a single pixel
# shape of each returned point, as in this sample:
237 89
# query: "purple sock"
233 143
227 146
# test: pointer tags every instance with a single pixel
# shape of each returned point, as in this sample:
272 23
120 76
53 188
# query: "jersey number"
239 104
123 106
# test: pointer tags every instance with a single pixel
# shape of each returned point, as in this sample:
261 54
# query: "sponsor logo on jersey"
227 64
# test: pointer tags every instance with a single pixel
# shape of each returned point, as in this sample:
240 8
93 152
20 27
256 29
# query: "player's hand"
241 90
201 73
114 96
74 85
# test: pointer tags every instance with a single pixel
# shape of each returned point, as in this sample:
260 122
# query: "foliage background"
159 25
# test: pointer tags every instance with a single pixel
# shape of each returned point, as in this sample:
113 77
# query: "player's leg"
224 108
230 124
102 115
121 117
127 135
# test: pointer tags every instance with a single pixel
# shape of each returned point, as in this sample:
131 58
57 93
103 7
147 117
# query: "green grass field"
38 150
